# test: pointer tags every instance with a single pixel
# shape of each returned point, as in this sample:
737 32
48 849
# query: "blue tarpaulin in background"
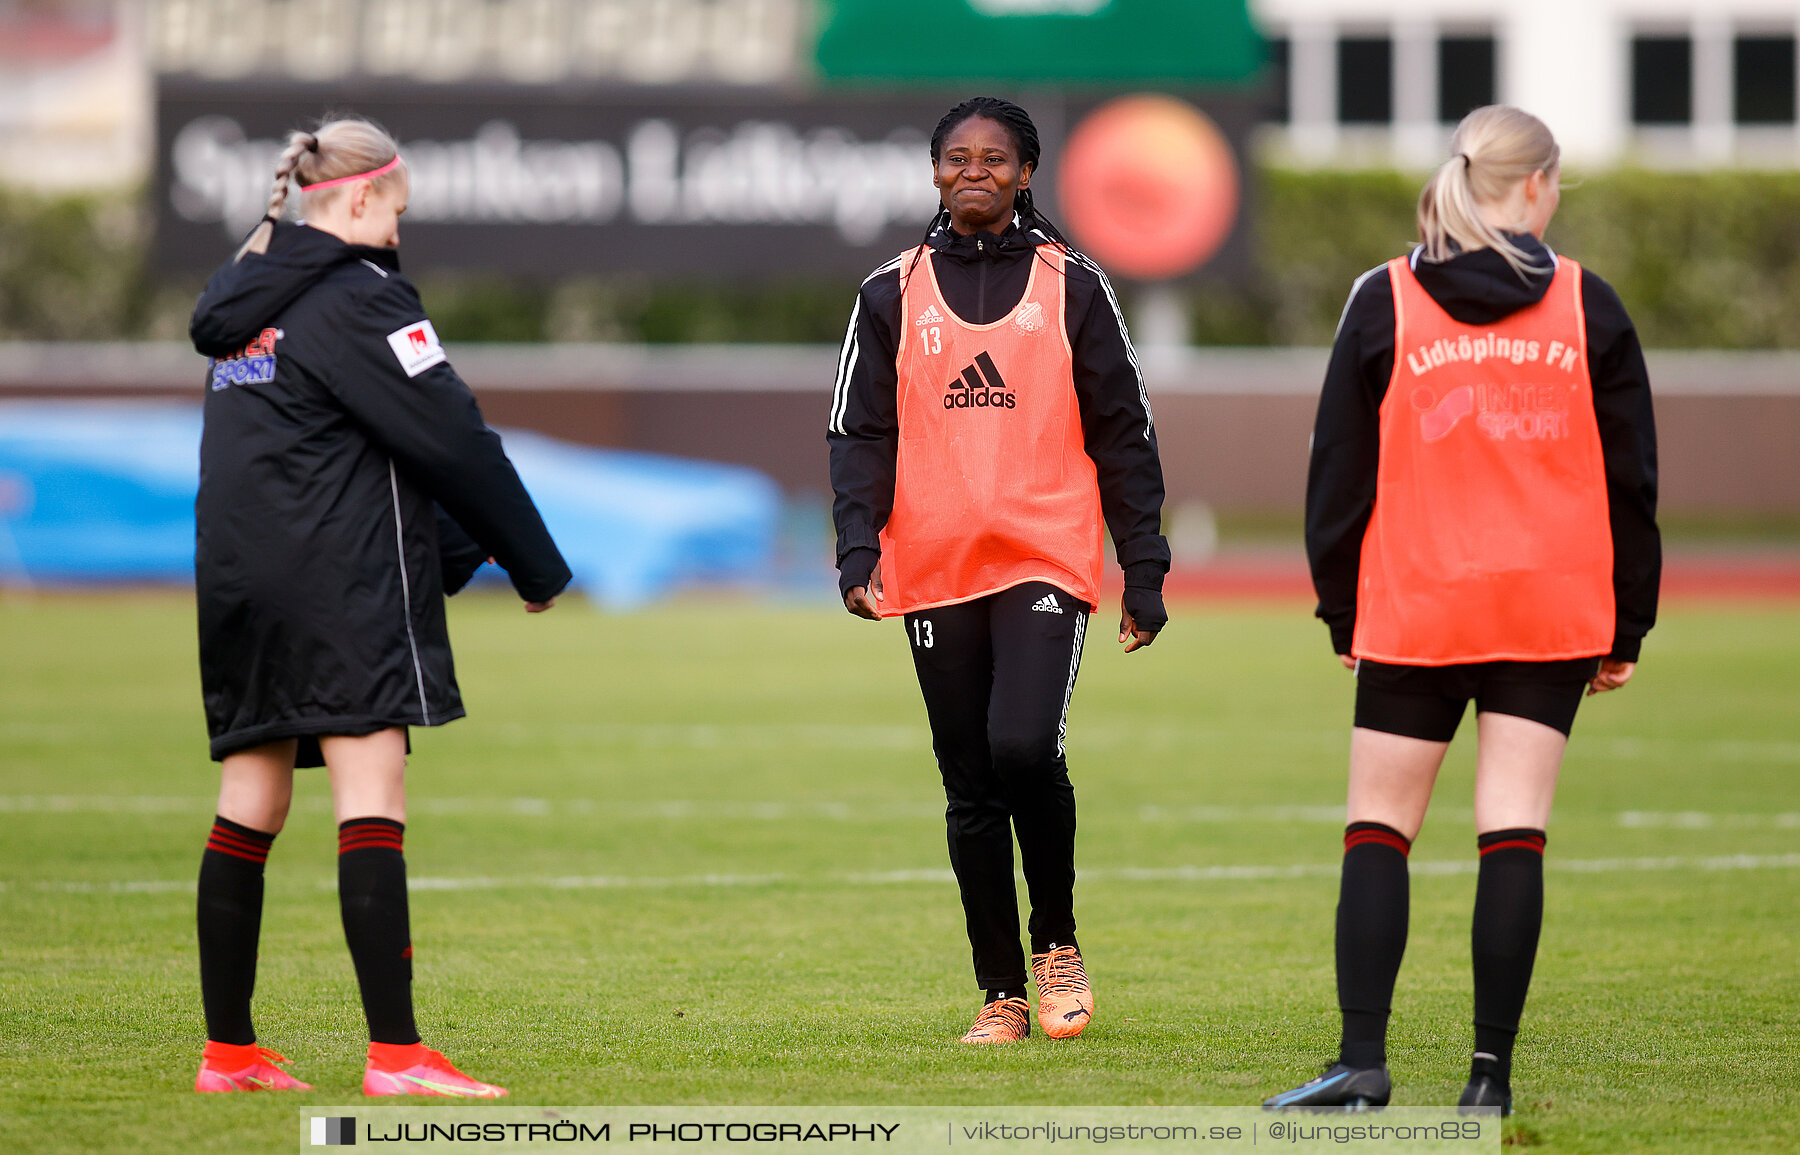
105 492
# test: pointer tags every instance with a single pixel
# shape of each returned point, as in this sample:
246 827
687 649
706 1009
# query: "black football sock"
372 899
1045 946
1509 912
996 996
1371 937
229 918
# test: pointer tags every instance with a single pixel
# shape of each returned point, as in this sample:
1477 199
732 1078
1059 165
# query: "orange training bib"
1489 540
993 485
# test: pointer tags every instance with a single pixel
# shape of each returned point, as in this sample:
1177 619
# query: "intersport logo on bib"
979 387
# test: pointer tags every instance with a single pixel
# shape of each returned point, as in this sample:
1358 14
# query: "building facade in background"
75 94
1664 83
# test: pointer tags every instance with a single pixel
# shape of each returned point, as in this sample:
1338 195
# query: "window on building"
1365 80
1277 73
1465 75
1763 80
1662 80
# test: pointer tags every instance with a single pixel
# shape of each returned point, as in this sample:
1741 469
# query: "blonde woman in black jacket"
343 462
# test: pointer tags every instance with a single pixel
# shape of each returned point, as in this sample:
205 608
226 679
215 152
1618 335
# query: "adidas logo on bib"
1047 605
930 316
979 387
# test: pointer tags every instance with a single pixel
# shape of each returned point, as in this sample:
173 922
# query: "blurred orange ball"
1149 186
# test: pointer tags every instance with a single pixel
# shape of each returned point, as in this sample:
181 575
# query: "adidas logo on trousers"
1047 605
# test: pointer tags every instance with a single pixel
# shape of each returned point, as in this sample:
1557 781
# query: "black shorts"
1428 701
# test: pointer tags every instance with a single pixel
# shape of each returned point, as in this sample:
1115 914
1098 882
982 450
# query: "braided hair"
1024 133
341 146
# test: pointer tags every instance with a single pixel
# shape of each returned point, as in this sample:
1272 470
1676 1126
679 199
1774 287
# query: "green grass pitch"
695 855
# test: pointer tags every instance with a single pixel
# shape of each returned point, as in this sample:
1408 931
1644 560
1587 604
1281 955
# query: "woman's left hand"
1129 633
539 607
1141 617
1613 674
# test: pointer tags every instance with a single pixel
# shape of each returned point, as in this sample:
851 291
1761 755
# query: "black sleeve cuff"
855 567
1625 649
1146 575
1341 637
1149 547
856 536
543 588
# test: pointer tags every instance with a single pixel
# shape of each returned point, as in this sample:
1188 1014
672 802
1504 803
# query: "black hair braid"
939 220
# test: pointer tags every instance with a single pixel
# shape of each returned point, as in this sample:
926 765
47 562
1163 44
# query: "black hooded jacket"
983 277
336 438
1479 288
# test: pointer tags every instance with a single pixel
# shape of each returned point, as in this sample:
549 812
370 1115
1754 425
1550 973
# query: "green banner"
1208 42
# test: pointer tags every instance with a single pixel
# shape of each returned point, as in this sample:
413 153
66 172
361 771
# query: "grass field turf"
695 855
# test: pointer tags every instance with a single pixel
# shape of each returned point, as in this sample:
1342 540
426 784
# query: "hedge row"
1701 260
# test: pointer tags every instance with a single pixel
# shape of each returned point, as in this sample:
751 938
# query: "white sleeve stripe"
887 268
1355 287
1124 334
840 393
842 406
851 351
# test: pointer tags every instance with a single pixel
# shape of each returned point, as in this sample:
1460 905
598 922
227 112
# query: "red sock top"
1359 833
370 834
1521 838
239 841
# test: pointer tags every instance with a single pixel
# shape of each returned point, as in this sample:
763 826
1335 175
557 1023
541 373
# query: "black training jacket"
1478 288
983 277
336 439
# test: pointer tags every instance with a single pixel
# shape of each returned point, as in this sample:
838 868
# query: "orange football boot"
1065 1003
1001 1021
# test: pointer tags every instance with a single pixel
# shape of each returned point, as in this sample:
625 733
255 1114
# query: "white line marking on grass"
689 810
943 877
1331 815
721 736
889 877
589 882
669 809
102 803
144 886
1708 749
1697 820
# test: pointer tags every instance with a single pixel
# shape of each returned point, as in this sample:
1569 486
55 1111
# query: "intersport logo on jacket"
254 364
979 387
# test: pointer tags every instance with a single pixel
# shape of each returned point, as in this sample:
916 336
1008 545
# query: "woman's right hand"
1348 662
860 600
1611 675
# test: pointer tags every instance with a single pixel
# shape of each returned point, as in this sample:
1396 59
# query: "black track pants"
997 674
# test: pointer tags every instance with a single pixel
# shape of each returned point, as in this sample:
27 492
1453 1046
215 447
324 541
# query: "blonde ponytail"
1493 149
299 144
337 149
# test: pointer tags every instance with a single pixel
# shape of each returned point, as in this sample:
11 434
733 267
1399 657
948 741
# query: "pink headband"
370 175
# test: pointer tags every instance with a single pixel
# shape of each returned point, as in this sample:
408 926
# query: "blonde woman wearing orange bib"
1481 523
988 425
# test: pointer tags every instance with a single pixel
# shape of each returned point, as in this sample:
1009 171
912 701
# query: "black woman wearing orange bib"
1481 522
989 423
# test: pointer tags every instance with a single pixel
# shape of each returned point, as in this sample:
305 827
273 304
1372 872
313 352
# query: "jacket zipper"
981 317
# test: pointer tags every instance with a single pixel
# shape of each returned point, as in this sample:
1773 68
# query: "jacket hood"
243 297
1479 288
